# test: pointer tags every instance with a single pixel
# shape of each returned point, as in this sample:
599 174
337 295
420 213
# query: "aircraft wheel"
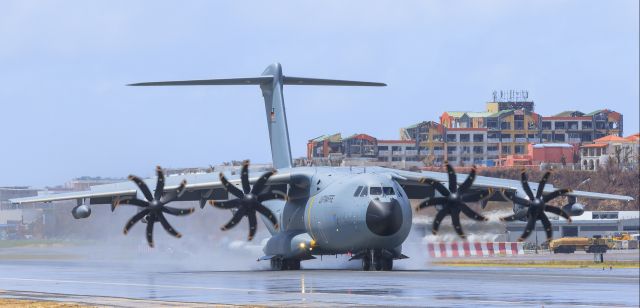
379 264
366 263
276 264
387 264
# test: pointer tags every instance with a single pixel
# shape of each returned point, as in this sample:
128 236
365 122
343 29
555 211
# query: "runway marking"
124 284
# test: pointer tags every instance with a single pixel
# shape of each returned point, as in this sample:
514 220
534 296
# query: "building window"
587 125
506 150
505 125
558 137
478 138
573 125
465 150
519 149
560 125
396 148
451 138
451 149
492 148
383 148
546 125
464 138
396 159
477 149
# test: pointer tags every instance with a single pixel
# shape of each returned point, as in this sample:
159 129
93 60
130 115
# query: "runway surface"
159 280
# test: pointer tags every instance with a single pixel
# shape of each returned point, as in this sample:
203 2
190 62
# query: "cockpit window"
357 193
374 191
364 192
388 191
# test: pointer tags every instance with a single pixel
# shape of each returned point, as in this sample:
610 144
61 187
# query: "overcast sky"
63 66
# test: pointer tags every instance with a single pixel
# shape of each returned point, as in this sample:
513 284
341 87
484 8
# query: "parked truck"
595 244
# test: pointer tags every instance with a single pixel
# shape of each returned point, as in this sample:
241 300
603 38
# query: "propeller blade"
203 201
525 184
244 177
437 185
542 183
150 222
173 195
555 194
268 214
453 179
558 211
437 220
512 217
143 187
159 184
516 199
455 221
469 181
259 185
177 212
230 187
135 201
531 224
234 220
547 225
228 204
471 213
431 202
253 224
167 227
133 220
477 195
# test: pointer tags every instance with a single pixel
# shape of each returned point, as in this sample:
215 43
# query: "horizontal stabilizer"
329 82
210 82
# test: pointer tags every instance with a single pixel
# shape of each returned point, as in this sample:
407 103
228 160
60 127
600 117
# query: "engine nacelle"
81 211
575 209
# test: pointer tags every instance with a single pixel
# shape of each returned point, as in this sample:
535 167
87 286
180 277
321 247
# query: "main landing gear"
281 264
377 260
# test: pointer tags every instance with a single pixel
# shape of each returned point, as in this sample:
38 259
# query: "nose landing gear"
377 260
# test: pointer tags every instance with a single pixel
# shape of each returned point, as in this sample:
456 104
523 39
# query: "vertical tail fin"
270 83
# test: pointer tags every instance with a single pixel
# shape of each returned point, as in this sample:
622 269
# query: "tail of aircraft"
270 82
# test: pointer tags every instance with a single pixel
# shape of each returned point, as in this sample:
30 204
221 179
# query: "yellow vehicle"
622 236
571 244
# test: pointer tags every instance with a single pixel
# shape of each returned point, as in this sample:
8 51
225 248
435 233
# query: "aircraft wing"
205 186
411 180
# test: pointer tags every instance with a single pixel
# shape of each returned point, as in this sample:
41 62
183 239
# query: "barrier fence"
480 249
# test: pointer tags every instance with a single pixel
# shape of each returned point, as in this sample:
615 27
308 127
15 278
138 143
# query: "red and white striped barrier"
468 249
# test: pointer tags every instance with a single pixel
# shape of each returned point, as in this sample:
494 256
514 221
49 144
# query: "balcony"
574 140
521 139
397 153
383 153
507 140
438 152
493 140
412 152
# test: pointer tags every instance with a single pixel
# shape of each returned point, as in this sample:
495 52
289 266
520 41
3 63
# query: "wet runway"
154 279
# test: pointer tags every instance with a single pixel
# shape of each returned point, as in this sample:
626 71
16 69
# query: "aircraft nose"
384 218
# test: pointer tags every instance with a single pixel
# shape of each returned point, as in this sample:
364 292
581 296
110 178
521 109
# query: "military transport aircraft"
312 211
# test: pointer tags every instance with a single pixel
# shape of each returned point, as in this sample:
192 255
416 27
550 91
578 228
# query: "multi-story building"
323 146
428 137
623 151
578 127
467 146
359 145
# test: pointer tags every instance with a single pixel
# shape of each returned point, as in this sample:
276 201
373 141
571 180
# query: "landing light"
302 245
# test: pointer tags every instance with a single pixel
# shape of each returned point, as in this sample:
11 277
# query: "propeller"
249 200
537 206
154 207
453 200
